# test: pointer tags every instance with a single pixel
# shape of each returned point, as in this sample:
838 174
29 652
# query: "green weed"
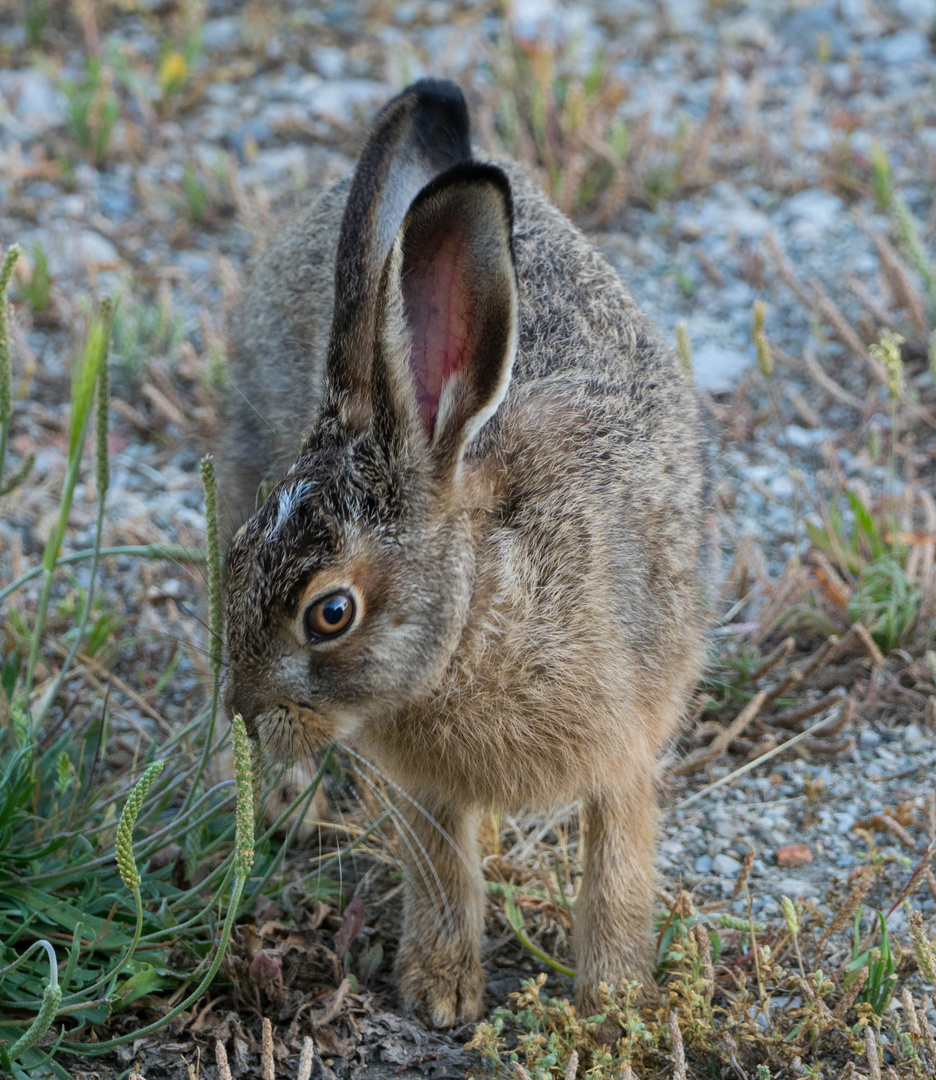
93 108
86 931
908 234
873 557
793 1020
563 122
196 195
143 329
36 290
35 17
877 966
882 177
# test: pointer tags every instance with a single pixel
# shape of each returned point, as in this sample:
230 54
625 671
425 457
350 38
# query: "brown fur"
531 628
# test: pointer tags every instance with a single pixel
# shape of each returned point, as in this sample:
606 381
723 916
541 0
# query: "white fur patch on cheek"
348 724
293 672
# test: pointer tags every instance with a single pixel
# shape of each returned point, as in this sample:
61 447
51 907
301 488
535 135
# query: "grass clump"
93 108
728 1003
36 289
73 950
143 329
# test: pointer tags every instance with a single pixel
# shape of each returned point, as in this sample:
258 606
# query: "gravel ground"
793 102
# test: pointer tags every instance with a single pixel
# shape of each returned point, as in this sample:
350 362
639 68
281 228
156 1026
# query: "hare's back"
575 311
277 341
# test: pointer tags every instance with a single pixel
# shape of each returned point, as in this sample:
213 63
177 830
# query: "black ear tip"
440 92
440 119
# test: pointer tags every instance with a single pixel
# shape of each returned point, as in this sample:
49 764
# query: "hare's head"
348 591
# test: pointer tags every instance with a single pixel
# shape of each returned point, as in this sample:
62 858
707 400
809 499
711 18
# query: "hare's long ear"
447 315
416 136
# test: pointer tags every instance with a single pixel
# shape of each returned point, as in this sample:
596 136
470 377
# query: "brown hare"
479 565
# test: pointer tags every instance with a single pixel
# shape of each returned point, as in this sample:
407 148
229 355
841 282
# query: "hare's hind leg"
438 962
613 912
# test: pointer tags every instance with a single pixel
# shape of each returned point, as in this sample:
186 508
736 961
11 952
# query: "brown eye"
330 616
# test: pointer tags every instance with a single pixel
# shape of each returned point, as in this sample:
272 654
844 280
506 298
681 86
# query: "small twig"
779 654
921 868
885 821
851 995
723 740
793 717
748 766
827 651
877 657
910 1011
332 1009
895 271
823 304
572 1067
679 1053
928 1041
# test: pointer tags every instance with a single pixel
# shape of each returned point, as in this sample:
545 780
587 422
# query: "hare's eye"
329 616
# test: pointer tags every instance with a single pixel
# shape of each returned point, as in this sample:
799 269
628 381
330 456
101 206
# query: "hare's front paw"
445 977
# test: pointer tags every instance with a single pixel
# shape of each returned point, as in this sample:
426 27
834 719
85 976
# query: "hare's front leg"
613 912
438 963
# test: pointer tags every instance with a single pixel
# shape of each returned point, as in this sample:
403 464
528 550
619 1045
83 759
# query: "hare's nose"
238 701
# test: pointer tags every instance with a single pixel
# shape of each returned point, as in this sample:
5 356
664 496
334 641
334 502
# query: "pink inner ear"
437 305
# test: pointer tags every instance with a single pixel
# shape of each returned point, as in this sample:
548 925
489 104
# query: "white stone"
725 866
796 888
329 61
804 437
38 103
96 248
717 368
903 48
819 208
221 33
746 30
336 101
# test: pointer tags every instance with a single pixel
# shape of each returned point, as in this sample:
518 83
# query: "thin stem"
308 794
169 552
51 694
6 370
24 956
145 847
84 381
214 611
103 483
221 948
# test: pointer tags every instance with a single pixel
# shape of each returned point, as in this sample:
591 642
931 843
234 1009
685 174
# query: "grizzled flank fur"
529 624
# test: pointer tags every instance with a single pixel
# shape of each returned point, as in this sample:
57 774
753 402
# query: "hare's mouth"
290 731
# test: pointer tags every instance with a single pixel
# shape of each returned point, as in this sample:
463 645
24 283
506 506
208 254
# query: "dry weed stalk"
306 1059
871 1052
269 1070
221 1059
679 1053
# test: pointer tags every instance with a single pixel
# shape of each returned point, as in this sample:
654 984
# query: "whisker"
422 860
436 824
188 611
257 411
186 642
